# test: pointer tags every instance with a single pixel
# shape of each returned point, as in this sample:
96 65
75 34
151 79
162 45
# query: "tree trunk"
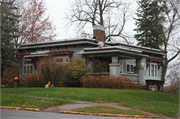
164 68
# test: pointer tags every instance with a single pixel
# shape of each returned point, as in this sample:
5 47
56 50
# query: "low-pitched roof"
109 48
58 43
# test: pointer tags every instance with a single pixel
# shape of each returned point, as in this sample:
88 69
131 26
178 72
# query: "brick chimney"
99 33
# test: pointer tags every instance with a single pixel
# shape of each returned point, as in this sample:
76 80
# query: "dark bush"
33 80
106 81
8 81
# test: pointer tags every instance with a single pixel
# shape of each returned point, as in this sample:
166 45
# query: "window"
67 59
152 70
130 68
61 59
28 67
24 69
121 62
57 60
31 69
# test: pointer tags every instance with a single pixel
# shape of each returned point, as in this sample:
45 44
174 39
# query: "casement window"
57 60
130 68
62 59
27 67
67 59
121 62
153 70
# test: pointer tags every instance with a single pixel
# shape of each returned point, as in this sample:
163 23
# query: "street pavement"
19 114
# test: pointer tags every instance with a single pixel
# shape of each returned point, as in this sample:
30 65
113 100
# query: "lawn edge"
20 108
109 115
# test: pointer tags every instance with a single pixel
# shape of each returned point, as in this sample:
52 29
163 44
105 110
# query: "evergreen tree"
9 30
149 23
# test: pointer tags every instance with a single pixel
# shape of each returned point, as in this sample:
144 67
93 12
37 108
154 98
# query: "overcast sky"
57 9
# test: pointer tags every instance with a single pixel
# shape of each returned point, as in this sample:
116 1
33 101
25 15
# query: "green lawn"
29 102
110 110
158 102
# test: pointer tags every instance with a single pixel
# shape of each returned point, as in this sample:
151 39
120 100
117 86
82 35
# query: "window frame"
62 59
27 67
153 72
130 67
121 62
67 60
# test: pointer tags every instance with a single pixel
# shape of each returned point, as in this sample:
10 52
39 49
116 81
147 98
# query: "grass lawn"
157 102
29 102
110 110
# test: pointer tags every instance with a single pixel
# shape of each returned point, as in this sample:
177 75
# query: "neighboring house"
140 64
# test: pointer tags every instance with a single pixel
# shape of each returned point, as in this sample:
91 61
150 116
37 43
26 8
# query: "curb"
109 115
19 108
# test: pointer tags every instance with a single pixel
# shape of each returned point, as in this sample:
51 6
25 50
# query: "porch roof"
135 47
109 51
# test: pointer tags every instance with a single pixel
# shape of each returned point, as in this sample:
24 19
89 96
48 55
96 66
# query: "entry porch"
108 61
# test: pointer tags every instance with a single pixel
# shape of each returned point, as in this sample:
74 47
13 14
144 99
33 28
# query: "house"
140 64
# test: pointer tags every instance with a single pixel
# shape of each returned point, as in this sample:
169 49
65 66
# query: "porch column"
139 69
114 66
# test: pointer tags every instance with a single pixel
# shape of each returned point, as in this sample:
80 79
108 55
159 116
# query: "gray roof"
108 48
113 51
58 43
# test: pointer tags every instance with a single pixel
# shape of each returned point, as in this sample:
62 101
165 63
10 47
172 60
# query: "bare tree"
112 14
173 76
171 42
21 7
34 25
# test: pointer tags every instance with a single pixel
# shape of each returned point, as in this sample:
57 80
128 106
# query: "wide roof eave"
113 52
58 44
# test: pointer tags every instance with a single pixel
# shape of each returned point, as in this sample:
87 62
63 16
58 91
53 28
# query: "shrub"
52 71
9 81
10 70
76 69
106 81
69 73
166 89
32 80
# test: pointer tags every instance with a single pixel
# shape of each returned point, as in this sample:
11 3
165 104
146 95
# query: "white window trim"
67 59
149 70
63 59
120 63
27 65
130 72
